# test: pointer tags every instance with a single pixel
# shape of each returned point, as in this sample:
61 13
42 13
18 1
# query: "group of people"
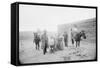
56 42
50 42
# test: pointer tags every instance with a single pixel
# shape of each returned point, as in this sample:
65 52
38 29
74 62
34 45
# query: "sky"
35 17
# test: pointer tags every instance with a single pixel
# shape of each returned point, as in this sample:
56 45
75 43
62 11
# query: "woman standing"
59 45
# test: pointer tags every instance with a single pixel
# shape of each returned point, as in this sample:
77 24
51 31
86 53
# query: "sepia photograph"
56 34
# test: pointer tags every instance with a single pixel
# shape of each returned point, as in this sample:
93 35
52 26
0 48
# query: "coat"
44 41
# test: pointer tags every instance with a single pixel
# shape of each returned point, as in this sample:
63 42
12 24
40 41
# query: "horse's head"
83 34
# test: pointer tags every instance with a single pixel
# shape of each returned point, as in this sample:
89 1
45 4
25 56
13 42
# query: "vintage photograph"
56 34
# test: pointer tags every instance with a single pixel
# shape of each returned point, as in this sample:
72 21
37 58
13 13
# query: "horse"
36 40
78 37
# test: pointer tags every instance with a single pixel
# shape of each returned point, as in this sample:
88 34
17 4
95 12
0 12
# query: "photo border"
15 38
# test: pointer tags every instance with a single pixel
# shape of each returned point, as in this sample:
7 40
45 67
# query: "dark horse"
78 37
36 40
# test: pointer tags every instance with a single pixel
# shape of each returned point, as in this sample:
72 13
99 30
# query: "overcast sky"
33 17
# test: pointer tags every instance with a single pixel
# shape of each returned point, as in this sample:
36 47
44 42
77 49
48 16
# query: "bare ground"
28 53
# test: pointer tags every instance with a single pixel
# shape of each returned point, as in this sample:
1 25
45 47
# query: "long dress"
60 44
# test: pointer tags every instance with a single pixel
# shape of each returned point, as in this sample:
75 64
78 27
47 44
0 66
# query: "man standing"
44 40
65 39
74 31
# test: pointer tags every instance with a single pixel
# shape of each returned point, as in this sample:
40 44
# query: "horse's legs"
38 45
79 43
35 46
76 43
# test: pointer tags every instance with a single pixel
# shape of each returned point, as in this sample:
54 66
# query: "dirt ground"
28 53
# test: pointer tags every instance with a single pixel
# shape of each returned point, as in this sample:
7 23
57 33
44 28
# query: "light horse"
78 37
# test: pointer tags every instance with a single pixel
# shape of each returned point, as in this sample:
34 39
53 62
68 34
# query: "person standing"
44 40
52 44
65 39
74 31
59 42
